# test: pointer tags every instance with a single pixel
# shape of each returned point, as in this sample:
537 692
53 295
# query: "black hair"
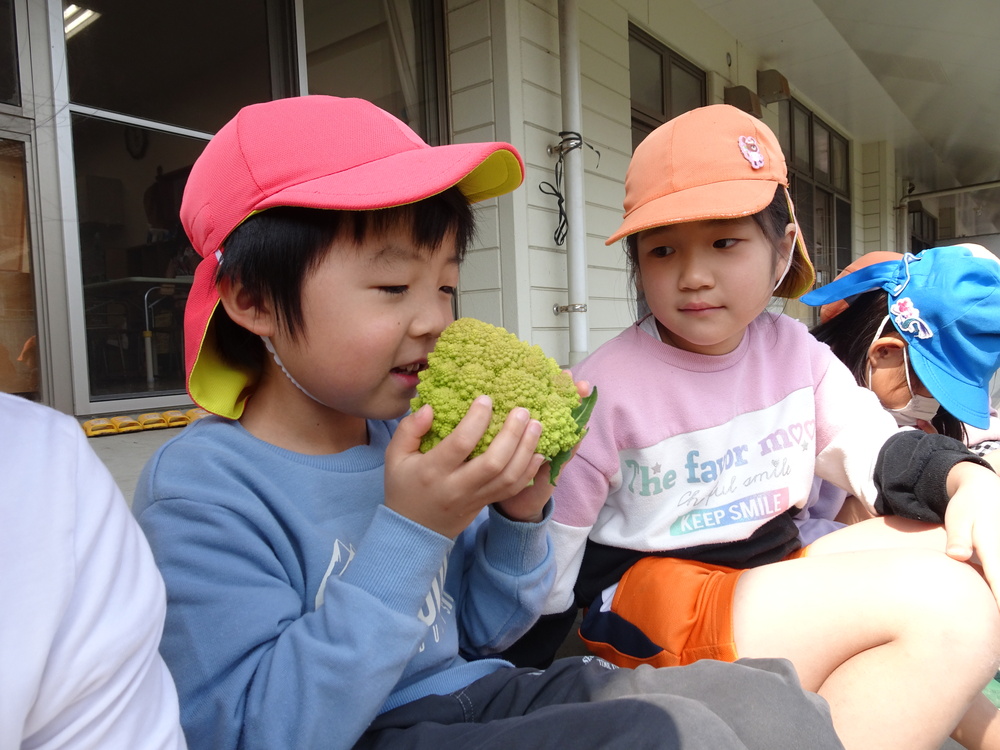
271 253
772 220
849 334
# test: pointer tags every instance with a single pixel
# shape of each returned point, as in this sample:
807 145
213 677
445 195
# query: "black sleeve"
911 474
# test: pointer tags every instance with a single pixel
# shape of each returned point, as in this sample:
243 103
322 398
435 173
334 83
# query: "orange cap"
833 309
714 162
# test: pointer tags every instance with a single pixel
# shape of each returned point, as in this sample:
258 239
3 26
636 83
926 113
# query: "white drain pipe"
576 235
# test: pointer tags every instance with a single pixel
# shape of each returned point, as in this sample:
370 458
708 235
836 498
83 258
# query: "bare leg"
881 532
900 642
979 728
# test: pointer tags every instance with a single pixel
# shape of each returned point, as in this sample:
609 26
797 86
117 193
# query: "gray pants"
584 702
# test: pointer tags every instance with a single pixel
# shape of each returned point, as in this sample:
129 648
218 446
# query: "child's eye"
725 243
449 290
661 251
393 289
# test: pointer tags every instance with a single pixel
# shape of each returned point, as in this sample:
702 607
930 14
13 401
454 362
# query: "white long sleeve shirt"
81 601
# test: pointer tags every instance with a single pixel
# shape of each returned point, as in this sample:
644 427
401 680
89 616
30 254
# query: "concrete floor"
127 453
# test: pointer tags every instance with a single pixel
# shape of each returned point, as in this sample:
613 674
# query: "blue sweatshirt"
299 607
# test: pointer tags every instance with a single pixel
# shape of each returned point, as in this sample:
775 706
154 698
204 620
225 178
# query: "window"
391 53
143 105
923 227
10 85
18 322
819 169
663 84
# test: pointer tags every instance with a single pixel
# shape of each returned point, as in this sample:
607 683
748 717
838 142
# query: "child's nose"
695 272
431 318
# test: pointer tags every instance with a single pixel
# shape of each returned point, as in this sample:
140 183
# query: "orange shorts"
667 612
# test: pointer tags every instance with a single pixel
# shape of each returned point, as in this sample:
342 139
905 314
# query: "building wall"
505 83
875 201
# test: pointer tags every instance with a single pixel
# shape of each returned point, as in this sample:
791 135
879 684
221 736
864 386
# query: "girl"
675 522
937 380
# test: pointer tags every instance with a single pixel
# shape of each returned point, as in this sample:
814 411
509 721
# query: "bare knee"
944 601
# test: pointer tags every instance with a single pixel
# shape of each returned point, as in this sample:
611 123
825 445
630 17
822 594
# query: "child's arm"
254 667
445 492
913 474
933 478
509 569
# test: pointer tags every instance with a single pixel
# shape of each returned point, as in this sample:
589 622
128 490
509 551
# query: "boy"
328 584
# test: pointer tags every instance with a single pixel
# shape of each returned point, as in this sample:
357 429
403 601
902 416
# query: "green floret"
473 358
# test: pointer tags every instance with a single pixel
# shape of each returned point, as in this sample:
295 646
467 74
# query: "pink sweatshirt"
686 450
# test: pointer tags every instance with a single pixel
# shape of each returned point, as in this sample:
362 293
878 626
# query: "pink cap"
320 152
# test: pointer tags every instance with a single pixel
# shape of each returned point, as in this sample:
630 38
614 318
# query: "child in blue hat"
944 309
923 333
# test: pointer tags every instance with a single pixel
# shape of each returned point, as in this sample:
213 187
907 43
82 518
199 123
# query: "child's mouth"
410 374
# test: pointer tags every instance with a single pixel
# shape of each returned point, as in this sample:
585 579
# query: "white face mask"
918 407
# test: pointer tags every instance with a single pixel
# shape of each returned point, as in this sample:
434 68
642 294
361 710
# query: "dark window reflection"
10 89
136 261
389 53
186 62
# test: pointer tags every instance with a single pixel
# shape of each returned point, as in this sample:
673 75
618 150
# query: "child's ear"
242 310
886 352
786 246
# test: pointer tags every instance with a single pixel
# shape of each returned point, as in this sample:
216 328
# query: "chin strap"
795 239
279 363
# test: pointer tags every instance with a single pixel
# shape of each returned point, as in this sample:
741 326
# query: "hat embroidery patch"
751 151
907 318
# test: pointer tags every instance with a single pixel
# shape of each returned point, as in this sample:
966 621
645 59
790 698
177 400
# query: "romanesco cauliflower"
472 358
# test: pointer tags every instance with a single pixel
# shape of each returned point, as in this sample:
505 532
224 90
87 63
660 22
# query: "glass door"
19 361
143 104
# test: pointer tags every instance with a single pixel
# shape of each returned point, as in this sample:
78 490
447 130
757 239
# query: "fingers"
583 387
467 433
411 428
959 544
517 438
509 462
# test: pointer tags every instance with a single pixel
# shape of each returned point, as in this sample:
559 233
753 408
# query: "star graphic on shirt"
656 469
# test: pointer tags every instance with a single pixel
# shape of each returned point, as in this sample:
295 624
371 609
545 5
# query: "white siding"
505 79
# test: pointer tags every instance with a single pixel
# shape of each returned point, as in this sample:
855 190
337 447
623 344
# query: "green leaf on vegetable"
581 414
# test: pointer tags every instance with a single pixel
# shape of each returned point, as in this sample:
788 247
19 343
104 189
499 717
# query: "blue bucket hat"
945 303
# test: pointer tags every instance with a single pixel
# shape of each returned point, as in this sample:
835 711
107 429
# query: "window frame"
828 190
644 120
